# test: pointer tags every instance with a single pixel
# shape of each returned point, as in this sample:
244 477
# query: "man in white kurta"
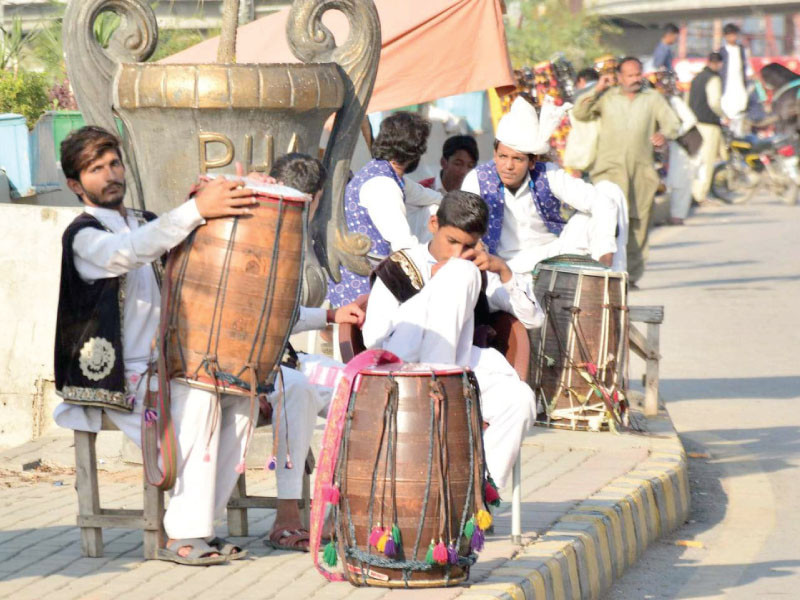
525 238
436 325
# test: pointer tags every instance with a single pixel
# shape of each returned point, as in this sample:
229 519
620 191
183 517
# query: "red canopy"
430 48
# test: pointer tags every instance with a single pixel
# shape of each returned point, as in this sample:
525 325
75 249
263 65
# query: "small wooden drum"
232 290
411 462
579 356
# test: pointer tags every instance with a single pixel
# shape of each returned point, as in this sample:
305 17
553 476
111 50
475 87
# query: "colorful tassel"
490 493
289 464
376 534
381 545
476 543
469 528
396 535
452 554
273 463
429 555
240 468
329 556
483 520
206 457
440 553
390 549
330 493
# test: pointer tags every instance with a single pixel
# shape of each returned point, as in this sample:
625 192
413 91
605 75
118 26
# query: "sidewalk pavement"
591 504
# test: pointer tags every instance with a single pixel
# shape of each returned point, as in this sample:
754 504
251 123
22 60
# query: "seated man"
303 401
423 309
529 200
380 202
459 157
108 315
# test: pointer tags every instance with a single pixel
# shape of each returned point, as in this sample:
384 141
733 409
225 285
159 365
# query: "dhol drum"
232 290
579 355
410 471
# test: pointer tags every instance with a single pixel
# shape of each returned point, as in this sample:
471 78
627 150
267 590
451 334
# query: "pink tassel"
240 468
272 464
330 493
375 536
440 553
289 464
206 457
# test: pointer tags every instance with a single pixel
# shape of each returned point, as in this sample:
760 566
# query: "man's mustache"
111 186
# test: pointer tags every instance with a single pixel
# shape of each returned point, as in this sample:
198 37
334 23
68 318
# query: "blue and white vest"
358 221
493 193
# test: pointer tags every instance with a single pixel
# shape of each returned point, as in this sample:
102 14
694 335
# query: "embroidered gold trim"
408 267
94 397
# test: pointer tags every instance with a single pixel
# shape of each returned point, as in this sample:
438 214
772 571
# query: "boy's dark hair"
300 171
671 28
628 59
715 57
455 143
588 74
730 28
465 211
83 146
403 138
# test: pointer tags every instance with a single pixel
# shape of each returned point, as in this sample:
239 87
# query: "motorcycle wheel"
731 185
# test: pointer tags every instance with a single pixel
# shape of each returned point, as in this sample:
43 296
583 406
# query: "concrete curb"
592 545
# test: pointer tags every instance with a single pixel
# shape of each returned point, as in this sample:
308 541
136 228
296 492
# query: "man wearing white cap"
538 210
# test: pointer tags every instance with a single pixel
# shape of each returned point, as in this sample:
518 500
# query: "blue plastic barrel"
14 153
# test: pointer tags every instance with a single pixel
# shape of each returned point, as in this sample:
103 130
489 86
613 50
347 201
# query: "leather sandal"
199 553
226 548
289 539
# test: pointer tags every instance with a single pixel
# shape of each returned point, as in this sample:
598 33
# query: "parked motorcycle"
754 162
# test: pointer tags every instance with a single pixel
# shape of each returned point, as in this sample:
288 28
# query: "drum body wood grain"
232 293
580 352
379 470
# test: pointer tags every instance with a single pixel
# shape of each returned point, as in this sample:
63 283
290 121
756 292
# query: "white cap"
521 129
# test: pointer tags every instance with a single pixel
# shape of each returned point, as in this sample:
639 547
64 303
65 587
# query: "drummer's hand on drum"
349 313
222 197
488 262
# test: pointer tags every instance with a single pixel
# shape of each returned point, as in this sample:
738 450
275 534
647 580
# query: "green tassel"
329 555
469 528
396 535
429 555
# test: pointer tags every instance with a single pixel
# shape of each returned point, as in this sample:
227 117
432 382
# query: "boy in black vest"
426 302
108 313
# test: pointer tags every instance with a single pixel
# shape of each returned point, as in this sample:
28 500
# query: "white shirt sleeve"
378 324
579 194
309 319
100 254
419 195
470 183
515 297
383 200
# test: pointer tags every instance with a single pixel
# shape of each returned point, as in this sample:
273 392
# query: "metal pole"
516 501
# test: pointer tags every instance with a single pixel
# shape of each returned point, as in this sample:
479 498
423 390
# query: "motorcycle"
754 162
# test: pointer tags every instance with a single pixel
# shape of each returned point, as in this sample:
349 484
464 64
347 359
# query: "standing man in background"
705 100
735 71
633 121
662 55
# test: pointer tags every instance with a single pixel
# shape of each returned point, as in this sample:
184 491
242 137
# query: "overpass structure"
658 12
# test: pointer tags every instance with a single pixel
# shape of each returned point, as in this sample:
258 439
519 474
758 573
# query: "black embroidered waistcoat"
89 365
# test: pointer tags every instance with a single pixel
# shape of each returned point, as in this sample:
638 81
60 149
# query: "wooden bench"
92 517
647 346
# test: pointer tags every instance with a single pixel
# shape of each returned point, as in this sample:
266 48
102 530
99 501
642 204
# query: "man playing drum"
537 210
108 315
427 301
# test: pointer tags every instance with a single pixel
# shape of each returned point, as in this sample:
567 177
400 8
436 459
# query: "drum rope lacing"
389 432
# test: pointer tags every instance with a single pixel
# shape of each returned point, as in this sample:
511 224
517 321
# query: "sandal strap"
198 548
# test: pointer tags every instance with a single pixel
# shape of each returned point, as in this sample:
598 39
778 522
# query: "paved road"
730 283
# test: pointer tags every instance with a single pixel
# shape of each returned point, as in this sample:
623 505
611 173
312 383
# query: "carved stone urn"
183 120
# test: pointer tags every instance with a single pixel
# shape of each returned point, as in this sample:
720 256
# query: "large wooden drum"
411 462
579 356
232 289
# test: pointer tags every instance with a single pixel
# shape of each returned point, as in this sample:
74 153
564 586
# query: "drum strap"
331 442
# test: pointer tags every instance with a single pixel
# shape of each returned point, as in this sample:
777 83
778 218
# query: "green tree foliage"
537 29
171 41
24 93
13 44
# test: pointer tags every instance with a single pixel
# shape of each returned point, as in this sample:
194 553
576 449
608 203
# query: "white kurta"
525 239
436 326
402 223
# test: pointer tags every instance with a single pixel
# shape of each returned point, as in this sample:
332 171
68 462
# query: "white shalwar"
402 222
436 326
734 97
525 239
682 169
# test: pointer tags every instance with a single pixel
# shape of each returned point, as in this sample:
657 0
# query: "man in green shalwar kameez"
632 121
